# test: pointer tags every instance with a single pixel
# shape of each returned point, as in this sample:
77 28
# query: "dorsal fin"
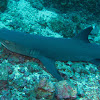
83 35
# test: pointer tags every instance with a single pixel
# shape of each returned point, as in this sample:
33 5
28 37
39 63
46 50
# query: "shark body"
49 49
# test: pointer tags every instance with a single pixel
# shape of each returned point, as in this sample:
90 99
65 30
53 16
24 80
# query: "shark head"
4 38
20 38
7 35
9 39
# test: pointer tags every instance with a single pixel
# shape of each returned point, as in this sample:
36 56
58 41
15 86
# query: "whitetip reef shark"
50 49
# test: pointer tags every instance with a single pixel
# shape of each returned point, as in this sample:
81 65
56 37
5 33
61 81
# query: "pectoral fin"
50 66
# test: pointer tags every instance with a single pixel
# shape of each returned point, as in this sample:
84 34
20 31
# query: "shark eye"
6 41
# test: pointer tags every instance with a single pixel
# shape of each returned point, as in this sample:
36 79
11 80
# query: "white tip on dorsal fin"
83 35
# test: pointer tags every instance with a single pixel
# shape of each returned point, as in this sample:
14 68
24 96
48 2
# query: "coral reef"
24 78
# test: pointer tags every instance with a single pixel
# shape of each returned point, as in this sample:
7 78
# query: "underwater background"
25 78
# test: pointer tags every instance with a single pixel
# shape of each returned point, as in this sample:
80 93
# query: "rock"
44 88
65 90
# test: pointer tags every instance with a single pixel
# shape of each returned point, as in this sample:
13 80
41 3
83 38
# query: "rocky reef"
25 78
